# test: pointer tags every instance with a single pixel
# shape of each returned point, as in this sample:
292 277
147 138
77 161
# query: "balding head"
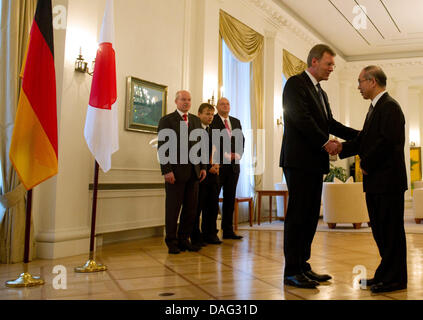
375 72
223 107
371 82
183 100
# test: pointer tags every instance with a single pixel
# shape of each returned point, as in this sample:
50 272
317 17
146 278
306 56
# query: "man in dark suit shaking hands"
380 146
181 175
304 158
231 149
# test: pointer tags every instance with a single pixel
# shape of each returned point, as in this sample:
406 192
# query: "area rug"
409 224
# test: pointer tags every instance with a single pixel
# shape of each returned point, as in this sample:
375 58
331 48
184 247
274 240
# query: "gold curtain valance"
292 65
245 43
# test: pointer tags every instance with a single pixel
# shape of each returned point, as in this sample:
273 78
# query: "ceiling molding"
282 19
398 64
386 56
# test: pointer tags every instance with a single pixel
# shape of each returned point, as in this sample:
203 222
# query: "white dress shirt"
181 114
376 99
229 121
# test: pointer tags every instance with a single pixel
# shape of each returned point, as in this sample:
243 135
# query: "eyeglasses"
360 81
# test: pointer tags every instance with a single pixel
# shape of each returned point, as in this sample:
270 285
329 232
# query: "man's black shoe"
368 282
232 236
213 240
172 246
300 281
174 250
184 245
199 243
387 287
317 277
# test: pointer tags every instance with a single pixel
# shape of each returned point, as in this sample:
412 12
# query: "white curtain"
236 88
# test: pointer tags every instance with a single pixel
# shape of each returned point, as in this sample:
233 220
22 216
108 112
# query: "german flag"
33 150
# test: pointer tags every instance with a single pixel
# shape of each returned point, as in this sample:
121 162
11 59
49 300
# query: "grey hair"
375 72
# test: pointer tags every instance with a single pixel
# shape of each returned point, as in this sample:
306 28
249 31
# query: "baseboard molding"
128 235
55 250
72 247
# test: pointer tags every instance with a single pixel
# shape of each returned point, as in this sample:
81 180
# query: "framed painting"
145 105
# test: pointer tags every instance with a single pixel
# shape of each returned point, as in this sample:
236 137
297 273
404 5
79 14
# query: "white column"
345 105
203 58
186 55
211 49
268 108
402 97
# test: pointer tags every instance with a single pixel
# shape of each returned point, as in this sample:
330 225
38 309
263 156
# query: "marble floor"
250 269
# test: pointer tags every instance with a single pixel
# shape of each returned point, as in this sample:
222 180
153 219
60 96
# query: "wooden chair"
250 209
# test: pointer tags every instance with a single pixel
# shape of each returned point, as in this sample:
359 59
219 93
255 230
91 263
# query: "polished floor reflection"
247 269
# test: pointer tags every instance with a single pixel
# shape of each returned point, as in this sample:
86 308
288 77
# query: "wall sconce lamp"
82 66
211 101
279 121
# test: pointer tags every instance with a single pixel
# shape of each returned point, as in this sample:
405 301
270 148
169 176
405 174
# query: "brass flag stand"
91 265
26 279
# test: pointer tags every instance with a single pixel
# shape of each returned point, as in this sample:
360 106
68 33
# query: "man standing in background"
181 175
229 156
208 196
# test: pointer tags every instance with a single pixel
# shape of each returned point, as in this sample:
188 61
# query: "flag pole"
91 265
26 279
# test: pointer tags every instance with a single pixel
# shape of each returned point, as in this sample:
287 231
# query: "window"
236 88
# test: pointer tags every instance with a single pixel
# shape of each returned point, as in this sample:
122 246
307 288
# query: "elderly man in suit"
181 175
231 149
308 121
380 146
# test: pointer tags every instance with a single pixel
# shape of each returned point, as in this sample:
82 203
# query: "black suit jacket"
380 146
306 127
217 123
182 171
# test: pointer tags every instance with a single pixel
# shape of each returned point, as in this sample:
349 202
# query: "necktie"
369 113
227 127
184 116
322 100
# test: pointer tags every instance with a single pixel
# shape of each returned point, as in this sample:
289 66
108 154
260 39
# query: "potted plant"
338 172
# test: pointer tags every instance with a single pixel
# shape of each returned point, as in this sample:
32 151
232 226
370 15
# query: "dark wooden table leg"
285 200
258 207
236 215
250 211
270 208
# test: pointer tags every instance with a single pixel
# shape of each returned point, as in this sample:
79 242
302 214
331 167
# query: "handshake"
333 147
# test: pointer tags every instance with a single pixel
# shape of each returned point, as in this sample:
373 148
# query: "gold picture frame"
146 103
